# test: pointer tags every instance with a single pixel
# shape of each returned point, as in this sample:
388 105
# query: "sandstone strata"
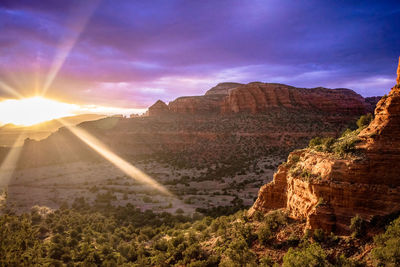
328 191
257 97
222 88
196 105
260 97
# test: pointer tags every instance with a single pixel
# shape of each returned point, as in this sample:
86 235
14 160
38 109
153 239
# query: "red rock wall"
335 190
259 97
256 97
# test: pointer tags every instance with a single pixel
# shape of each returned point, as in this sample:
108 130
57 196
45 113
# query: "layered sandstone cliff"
327 190
257 97
222 88
196 105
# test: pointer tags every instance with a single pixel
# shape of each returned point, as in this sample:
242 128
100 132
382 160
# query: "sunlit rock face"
222 88
398 73
259 98
339 189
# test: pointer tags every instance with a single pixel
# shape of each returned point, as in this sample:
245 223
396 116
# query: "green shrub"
267 262
343 261
322 144
387 250
319 235
364 120
308 254
346 144
316 141
275 219
264 234
357 226
238 254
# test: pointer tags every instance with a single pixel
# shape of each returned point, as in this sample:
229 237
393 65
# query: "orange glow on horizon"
29 111
34 110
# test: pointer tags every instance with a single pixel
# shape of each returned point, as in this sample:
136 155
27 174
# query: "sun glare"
29 111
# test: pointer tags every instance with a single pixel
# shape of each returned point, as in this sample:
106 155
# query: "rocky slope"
327 190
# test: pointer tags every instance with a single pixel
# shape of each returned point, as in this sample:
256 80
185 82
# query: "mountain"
232 123
257 97
333 181
11 134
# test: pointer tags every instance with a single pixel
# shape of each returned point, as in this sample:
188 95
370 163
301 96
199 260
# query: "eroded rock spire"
398 73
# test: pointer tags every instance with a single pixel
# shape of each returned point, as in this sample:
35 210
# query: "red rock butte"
368 185
257 97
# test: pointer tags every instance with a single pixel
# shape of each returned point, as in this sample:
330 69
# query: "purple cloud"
131 53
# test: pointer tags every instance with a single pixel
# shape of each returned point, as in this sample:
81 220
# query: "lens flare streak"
117 161
9 164
10 90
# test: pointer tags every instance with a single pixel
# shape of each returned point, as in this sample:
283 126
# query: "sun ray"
117 161
9 164
10 90
69 42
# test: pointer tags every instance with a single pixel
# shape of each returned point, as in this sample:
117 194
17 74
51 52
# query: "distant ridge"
9 133
258 97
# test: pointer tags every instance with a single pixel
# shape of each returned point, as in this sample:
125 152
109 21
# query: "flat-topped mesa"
257 97
328 191
222 88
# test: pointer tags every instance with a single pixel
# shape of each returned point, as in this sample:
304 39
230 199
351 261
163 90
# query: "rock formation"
398 73
327 190
257 97
222 88
196 105
158 109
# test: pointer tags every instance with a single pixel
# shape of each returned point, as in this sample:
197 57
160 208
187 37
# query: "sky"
128 54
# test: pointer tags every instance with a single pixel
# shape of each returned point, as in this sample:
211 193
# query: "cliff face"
328 191
222 88
398 73
257 97
196 105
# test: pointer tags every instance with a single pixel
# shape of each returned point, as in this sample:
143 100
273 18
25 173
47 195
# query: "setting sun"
29 111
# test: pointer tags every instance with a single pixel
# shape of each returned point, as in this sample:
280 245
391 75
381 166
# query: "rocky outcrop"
158 109
196 105
222 88
257 97
398 73
328 191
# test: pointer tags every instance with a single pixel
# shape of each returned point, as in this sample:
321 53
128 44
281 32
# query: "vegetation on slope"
124 236
345 144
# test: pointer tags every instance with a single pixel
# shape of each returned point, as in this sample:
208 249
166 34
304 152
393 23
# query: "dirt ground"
52 186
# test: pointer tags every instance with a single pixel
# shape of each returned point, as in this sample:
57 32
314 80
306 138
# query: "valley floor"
102 183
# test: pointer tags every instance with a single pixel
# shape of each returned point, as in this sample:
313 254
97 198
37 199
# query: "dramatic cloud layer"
131 53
